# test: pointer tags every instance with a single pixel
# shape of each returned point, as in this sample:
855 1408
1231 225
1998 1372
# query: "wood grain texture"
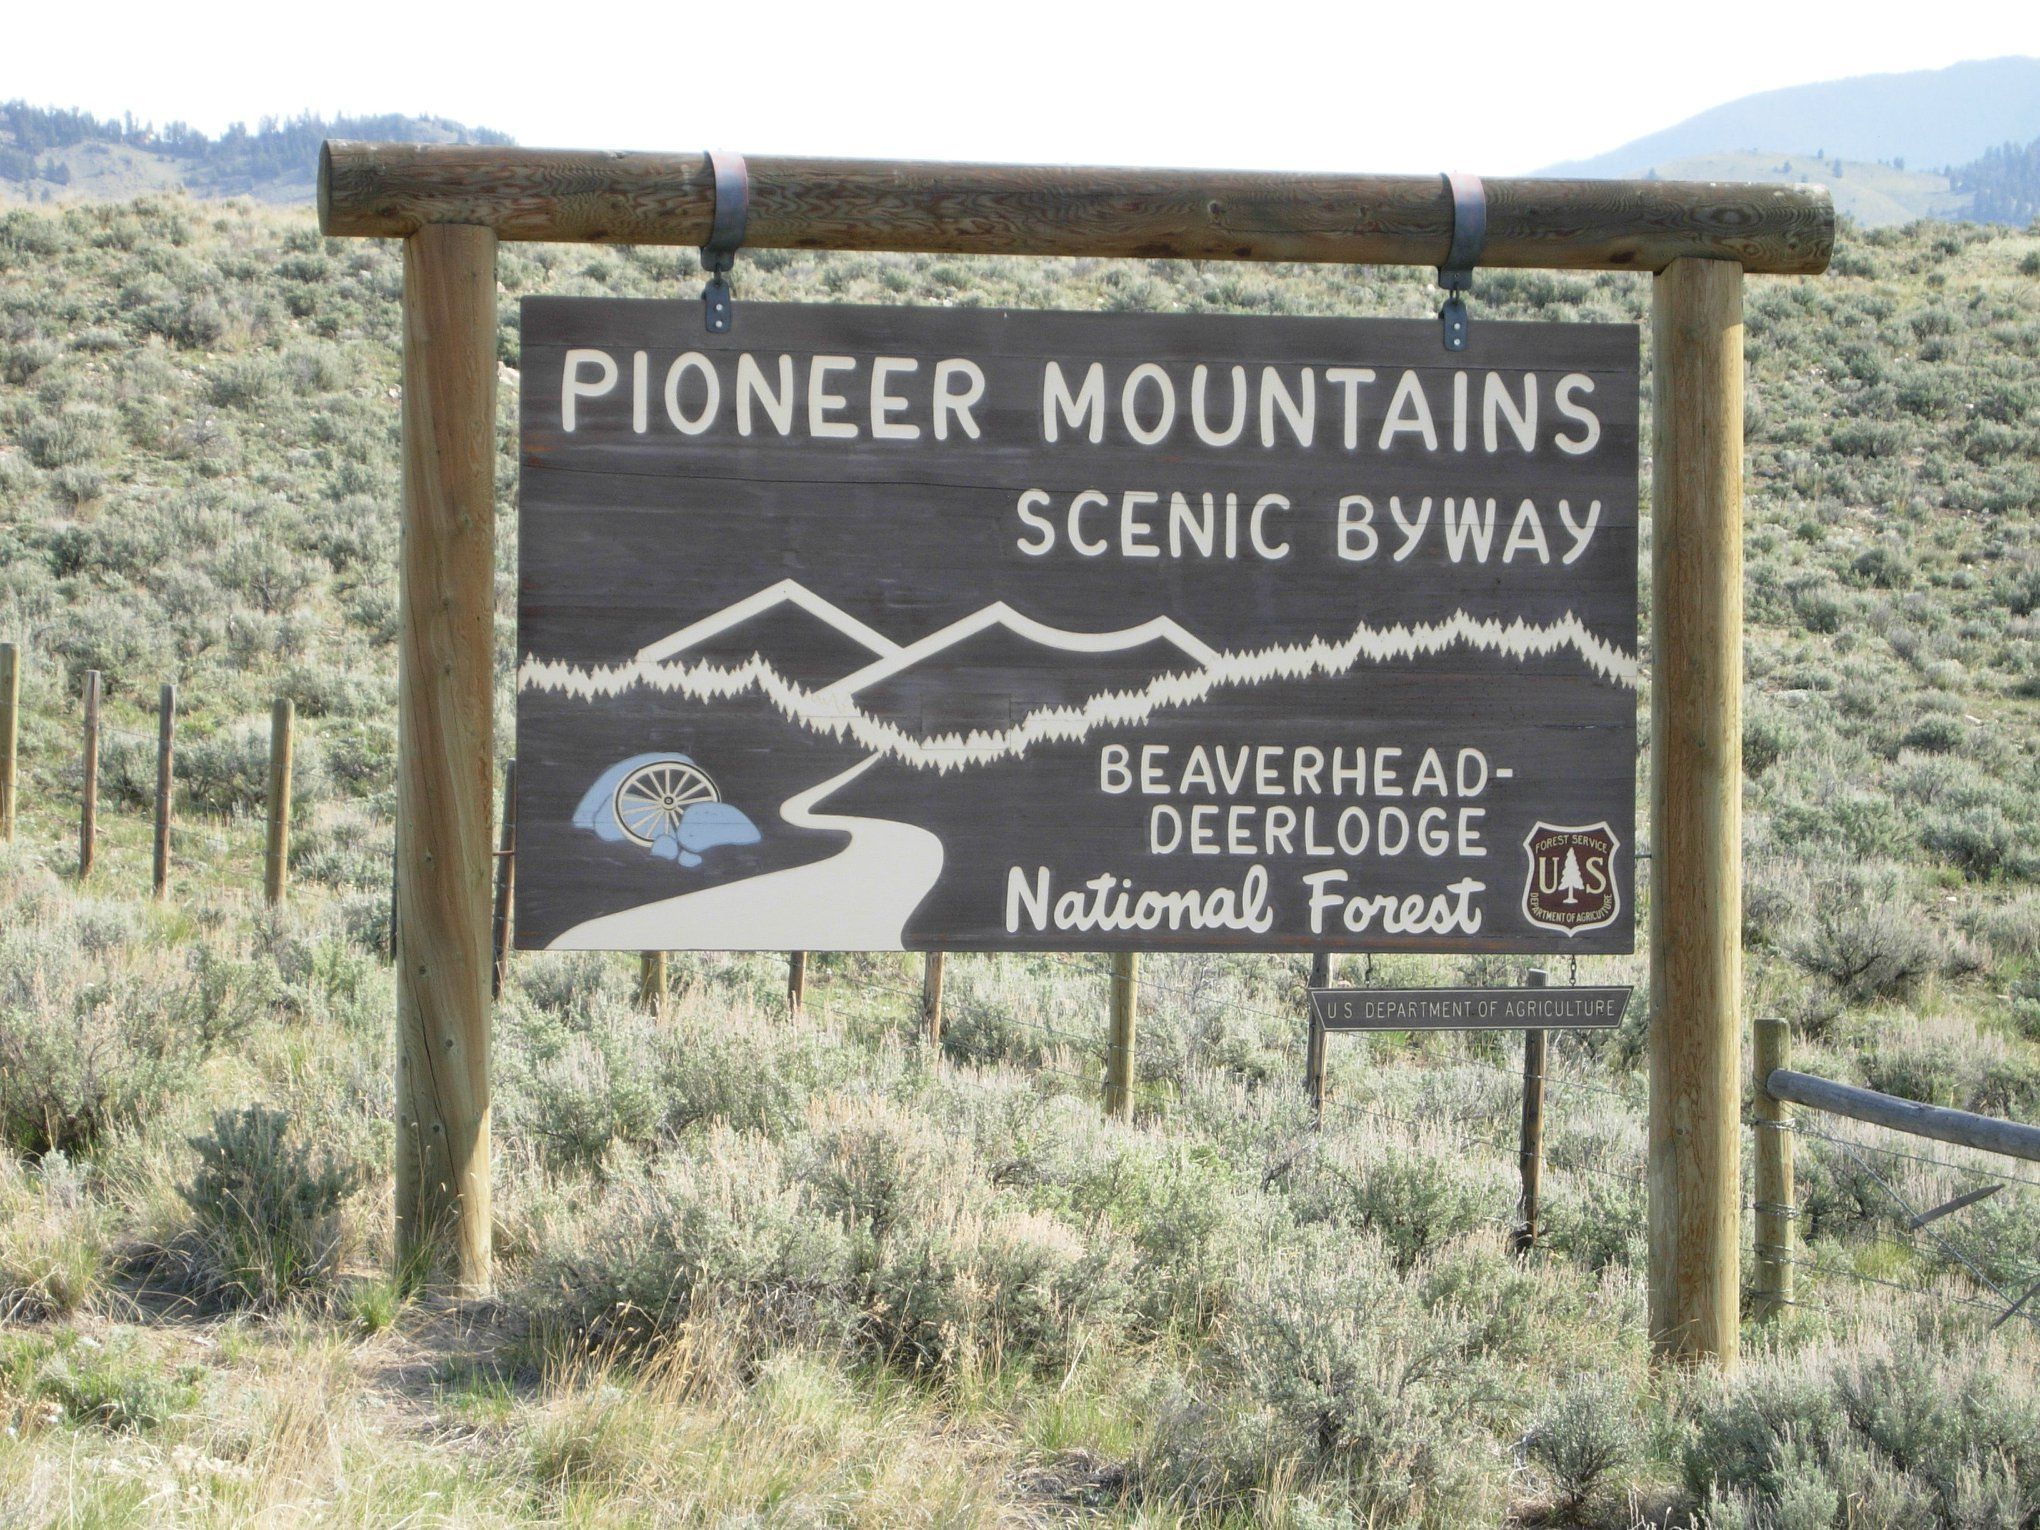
445 766
1314 1046
931 997
1120 1041
652 986
88 804
1696 812
166 744
818 555
1771 1175
10 707
1530 1139
276 843
392 190
1987 1134
503 922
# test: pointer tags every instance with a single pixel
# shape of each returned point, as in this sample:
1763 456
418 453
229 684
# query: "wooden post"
1696 800
1119 1049
10 705
796 981
1530 1144
88 807
931 996
166 742
503 925
276 852
1772 1187
651 982
1314 1048
445 755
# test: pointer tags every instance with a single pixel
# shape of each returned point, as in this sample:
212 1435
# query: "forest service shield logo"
1570 885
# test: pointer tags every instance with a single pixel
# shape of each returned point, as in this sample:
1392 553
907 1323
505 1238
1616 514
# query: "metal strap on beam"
1469 236
725 235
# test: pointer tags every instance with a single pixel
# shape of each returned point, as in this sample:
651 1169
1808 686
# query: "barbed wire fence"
1957 1268
1967 1268
1934 1242
1076 1060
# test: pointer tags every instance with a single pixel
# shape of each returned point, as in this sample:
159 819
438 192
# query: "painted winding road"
857 900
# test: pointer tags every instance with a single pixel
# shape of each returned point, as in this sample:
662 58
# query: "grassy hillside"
68 156
772 1270
1875 195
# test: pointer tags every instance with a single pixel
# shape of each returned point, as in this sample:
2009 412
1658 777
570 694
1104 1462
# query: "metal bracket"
1469 236
725 236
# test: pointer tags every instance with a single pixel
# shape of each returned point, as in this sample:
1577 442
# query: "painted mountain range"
892 705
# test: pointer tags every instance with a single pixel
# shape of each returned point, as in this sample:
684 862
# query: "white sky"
1278 84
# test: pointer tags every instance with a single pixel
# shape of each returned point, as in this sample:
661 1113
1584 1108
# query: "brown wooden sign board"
1469 1009
872 628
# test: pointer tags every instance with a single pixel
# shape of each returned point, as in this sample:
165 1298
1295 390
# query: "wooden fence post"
88 807
796 981
1772 1188
651 982
931 997
276 852
503 930
166 743
10 705
1314 1048
1530 1143
1696 810
446 754
1119 1050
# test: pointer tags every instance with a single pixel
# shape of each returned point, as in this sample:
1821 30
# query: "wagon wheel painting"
651 800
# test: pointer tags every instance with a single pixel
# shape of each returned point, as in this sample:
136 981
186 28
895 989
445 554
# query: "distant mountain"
50 155
997 666
1000 617
810 653
809 640
993 678
1930 119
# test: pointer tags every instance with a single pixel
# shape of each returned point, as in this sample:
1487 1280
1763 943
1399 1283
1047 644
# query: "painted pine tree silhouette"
1570 882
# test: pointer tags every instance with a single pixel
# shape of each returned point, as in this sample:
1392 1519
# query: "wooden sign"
1468 1009
871 628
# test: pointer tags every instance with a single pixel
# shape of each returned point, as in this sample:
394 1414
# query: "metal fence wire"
1964 1258
1949 1249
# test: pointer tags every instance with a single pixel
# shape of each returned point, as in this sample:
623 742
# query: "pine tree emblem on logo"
1570 884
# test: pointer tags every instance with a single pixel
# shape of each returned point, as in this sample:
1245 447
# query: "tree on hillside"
36 130
2003 185
238 160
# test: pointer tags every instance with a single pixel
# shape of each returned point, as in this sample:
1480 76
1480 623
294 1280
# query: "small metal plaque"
1469 1009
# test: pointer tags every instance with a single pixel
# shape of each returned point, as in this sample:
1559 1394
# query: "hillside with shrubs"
50 155
760 1268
